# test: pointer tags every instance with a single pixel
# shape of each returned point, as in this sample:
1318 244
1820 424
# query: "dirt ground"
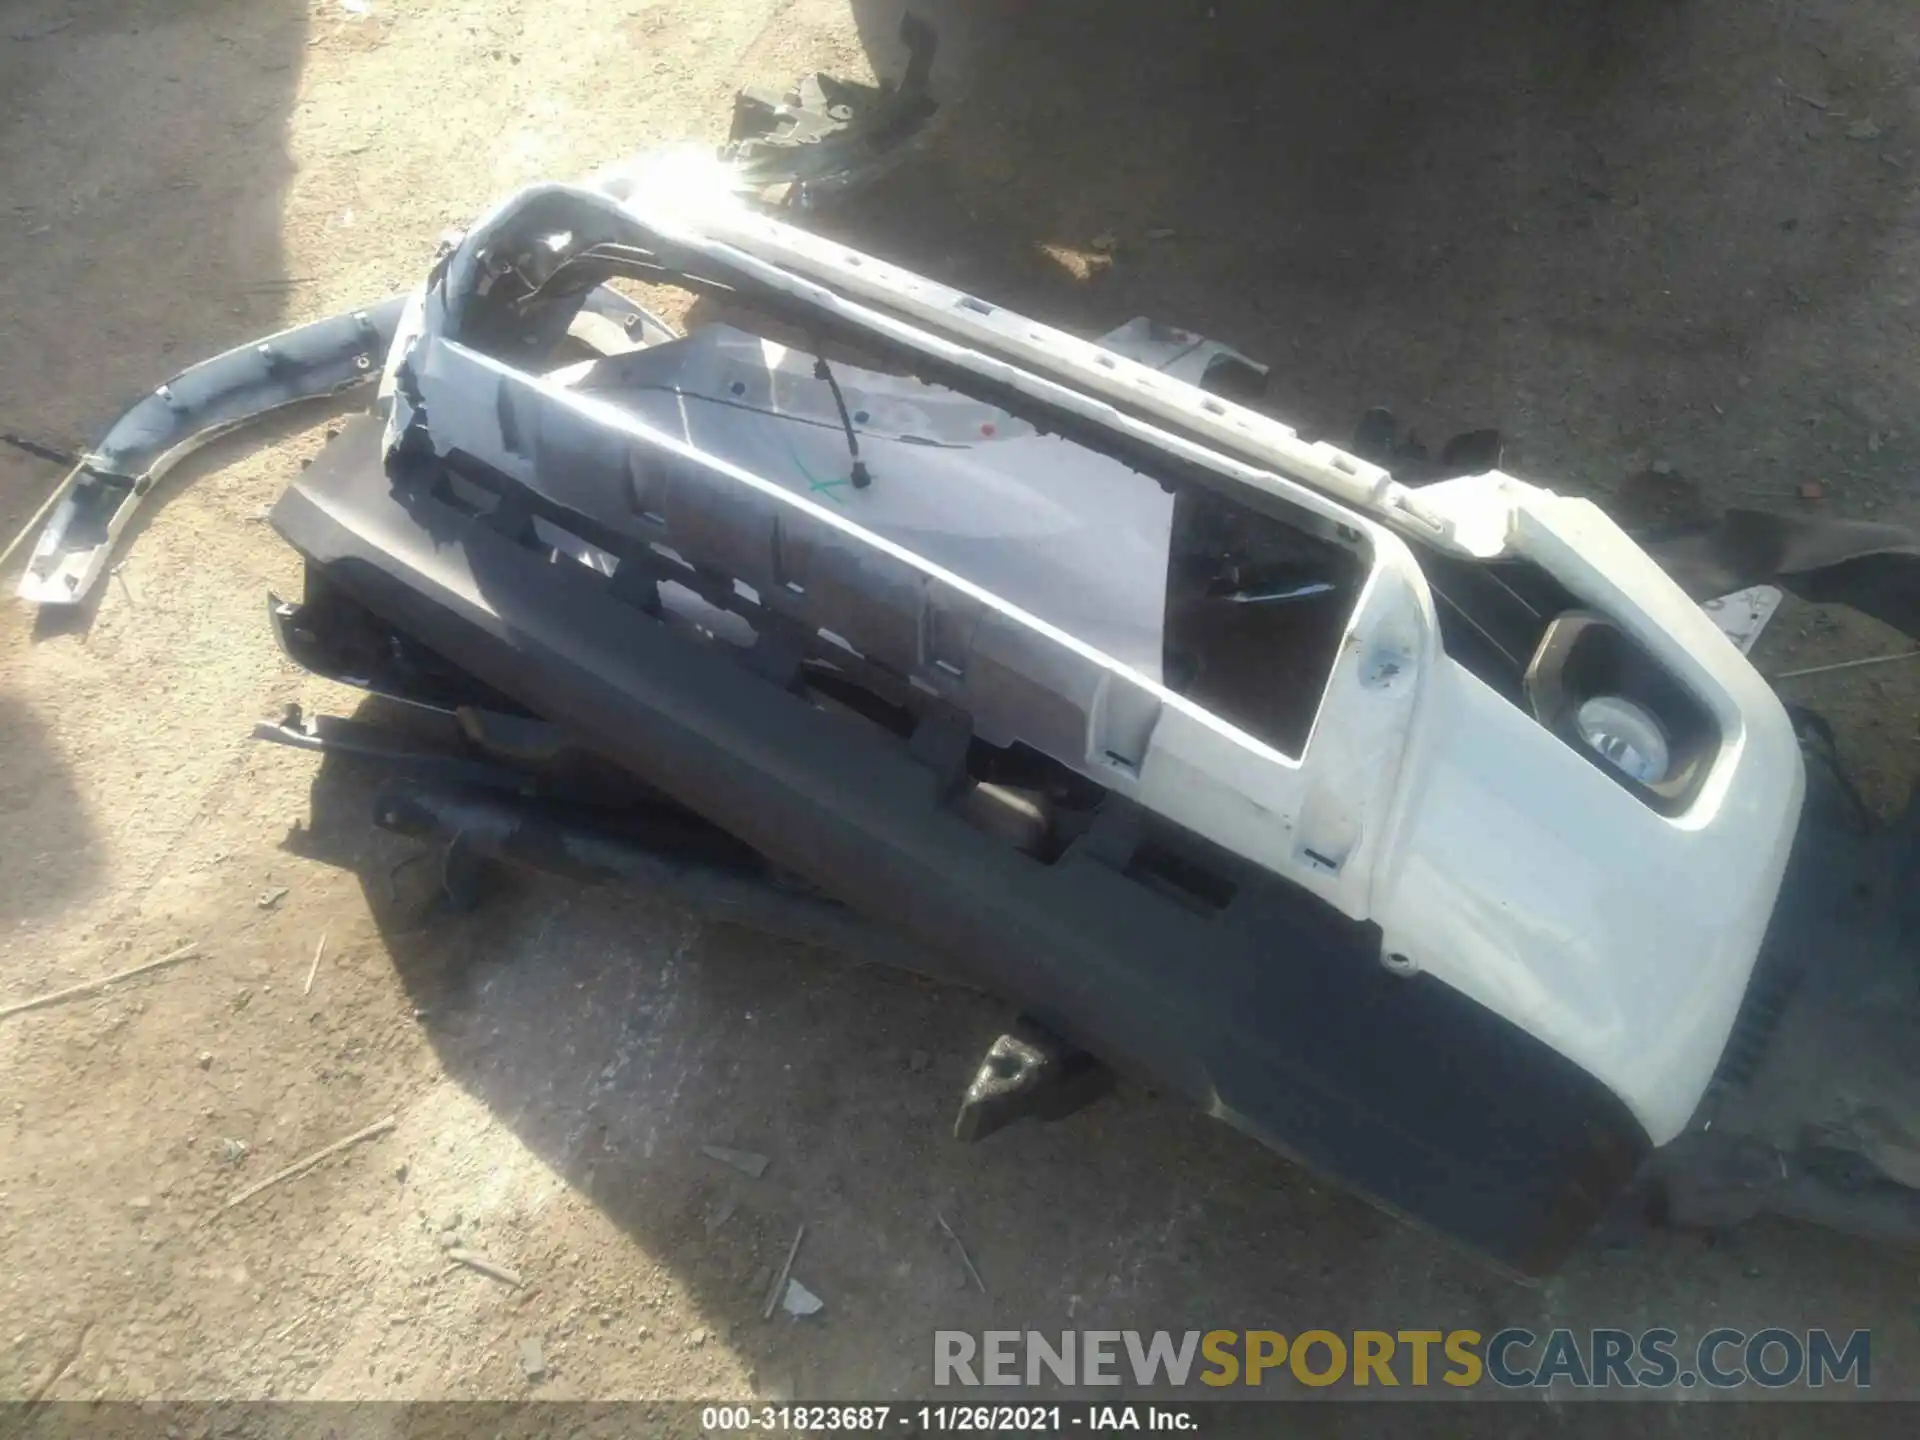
1623 231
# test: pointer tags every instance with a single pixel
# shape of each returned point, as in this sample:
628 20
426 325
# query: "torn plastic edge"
106 489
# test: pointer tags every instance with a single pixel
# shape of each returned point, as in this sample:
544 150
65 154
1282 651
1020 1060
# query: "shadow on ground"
167 180
38 798
177 115
616 1035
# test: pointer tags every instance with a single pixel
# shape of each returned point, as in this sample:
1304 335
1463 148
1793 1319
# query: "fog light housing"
1616 705
1629 736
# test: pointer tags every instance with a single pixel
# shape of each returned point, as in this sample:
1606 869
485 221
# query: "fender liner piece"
103 492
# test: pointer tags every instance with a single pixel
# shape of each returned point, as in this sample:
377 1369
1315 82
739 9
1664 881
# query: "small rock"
232 1152
400 1172
918 1060
606 1318
1752 1272
452 1222
140 1204
1661 467
1106 242
271 896
243 999
204 1060
697 1339
1863 130
1812 490
449 1239
1161 234
533 1358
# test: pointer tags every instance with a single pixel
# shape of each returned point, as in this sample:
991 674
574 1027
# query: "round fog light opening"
1628 735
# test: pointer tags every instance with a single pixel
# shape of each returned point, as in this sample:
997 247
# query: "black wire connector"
860 476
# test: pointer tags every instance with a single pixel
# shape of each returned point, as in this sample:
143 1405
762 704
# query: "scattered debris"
1863 130
1742 615
780 1280
292 1326
533 1358
800 1301
300 1167
314 969
965 1259
493 1270
272 896
748 1162
1081 264
825 135
723 1212
1808 100
94 987
1849 665
1812 490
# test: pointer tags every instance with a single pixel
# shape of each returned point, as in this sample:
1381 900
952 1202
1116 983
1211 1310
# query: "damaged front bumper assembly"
1124 701
1429 835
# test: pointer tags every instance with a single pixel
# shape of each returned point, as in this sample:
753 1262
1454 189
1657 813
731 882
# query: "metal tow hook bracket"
1028 1072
